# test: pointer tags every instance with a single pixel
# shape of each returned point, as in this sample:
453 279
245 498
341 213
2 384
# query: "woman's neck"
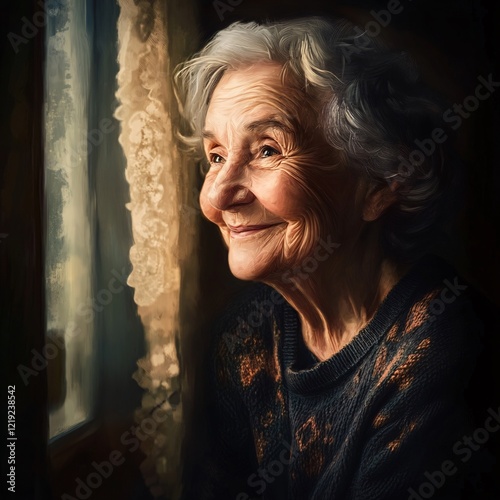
336 301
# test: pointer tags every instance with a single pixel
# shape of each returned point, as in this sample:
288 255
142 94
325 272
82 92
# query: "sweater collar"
324 374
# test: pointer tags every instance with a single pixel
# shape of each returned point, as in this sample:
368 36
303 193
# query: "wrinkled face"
274 186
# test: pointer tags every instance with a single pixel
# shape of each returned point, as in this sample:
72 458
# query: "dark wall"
22 315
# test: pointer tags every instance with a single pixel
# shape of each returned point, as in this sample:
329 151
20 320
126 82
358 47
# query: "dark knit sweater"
375 421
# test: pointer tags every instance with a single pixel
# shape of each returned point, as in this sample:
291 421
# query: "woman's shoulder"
249 306
441 300
248 319
440 329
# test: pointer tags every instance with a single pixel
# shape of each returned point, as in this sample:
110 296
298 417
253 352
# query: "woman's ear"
378 200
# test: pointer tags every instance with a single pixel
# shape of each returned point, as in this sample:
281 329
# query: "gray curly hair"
375 108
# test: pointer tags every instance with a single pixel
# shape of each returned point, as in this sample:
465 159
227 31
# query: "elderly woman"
341 375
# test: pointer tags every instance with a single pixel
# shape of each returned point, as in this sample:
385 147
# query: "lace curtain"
153 36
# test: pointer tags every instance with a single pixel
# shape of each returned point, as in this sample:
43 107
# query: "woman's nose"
230 187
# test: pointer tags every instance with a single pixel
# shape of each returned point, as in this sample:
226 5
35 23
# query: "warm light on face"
268 187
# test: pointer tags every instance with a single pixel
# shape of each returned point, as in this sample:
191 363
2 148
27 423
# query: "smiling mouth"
245 231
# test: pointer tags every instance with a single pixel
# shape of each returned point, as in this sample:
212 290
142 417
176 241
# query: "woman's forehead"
255 94
251 121
248 84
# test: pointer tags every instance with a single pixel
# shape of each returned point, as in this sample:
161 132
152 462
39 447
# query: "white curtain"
152 37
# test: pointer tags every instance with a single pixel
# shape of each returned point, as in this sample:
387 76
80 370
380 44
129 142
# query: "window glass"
68 264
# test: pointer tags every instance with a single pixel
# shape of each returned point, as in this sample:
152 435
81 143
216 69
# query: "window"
70 223
114 276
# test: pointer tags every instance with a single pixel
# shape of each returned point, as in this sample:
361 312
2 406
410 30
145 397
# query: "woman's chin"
246 273
247 268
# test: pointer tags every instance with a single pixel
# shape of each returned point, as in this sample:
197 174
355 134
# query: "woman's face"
274 186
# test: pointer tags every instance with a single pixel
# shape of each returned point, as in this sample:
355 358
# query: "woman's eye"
215 158
268 151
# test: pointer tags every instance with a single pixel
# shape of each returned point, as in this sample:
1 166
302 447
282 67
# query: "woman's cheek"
301 239
304 209
281 194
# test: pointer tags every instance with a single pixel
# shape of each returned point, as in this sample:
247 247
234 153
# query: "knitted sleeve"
416 434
